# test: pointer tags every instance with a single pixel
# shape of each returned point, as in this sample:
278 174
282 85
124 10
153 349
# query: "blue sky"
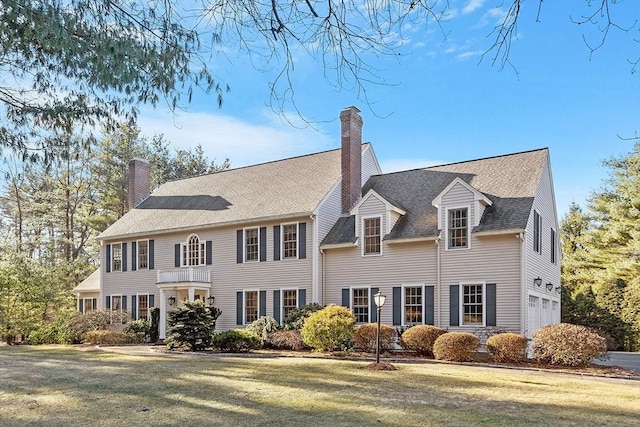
439 104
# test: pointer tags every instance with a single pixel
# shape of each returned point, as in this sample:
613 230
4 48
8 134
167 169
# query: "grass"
58 385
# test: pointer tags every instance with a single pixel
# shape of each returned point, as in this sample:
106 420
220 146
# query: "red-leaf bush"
420 338
507 347
567 344
364 337
456 347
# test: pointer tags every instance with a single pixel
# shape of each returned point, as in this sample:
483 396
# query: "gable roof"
90 284
509 182
279 189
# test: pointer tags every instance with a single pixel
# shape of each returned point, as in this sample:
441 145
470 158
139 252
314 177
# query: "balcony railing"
184 275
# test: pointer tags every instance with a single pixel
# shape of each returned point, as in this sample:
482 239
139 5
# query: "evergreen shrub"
365 337
296 317
456 346
420 338
329 329
236 341
190 327
507 347
262 326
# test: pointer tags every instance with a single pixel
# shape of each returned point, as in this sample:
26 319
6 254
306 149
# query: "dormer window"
193 251
458 228
372 237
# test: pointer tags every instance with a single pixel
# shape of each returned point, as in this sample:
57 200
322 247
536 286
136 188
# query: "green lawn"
56 385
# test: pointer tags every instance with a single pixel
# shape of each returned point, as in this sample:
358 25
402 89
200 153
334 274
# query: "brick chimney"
139 181
351 138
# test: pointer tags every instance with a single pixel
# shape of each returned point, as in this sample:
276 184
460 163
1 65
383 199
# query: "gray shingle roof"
90 284
281 188
509 181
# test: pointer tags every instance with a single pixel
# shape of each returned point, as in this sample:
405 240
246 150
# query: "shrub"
329 329
420 338
364 337
567 344
52 333
456 346
285 340
296 317
262 326
94 320
507 347
109 338
236 341
139 327
190 327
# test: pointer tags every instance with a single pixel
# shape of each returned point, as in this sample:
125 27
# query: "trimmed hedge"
285 340
110 338
567 344
508 347
329 329
236 341
456 346
364 337
420 338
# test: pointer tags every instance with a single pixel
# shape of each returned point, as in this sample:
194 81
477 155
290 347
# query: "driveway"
622 359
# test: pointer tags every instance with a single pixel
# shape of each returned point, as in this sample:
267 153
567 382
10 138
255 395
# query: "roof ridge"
261 164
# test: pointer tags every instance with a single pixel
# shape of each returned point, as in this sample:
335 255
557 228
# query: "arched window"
193 251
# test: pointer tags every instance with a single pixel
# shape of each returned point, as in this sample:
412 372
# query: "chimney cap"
351 108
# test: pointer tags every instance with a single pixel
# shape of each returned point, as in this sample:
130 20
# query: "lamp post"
379 300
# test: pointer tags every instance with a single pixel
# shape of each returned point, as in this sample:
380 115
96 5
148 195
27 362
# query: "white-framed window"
413 306
251 244
116 257
360 304
143 306
193 251
372 237
537 232
116 312
290 241
472 304
251 306
553 246
142 255
89 304
458 228
289 301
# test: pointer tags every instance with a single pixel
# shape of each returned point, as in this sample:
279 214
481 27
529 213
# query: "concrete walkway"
622 359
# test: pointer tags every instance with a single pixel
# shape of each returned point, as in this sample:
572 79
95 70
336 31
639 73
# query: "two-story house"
460 246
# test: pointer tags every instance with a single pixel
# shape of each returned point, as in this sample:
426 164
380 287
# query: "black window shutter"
209 252
108 259
151 301
454 305
239 308
239 249
124 257
491 304
124 302
397 305
276 306
134 308
151 248
134 256
373 310
80 306
176 259
345 298
263 244
429 307
108 302
263 303
302 240
276 243
302 297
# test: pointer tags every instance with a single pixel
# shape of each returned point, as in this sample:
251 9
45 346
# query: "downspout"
438 279
314 261
324 258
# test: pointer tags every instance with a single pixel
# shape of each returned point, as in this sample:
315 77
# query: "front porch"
181 285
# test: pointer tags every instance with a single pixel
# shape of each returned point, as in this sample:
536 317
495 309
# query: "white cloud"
242 142
466 55
397 165
472 5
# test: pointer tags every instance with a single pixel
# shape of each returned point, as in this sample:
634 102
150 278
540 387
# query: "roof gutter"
498 232
411 240
339 245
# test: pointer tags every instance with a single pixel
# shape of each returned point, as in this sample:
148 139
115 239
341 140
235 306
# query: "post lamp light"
379 300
